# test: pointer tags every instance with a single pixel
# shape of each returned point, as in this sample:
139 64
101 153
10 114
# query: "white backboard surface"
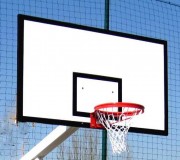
66 69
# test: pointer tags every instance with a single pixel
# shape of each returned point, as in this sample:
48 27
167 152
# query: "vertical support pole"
104 144
106 15
104 132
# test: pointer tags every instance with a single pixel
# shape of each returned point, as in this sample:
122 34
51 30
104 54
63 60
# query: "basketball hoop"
116 119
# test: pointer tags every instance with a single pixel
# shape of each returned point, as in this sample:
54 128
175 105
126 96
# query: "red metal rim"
120 105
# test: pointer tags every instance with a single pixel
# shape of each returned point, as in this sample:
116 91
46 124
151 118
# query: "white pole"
51 141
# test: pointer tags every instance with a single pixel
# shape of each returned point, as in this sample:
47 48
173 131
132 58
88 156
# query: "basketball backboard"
65 69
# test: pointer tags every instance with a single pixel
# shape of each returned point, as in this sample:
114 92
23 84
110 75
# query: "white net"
117 125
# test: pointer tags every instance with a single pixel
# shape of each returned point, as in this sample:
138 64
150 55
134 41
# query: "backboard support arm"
51 141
